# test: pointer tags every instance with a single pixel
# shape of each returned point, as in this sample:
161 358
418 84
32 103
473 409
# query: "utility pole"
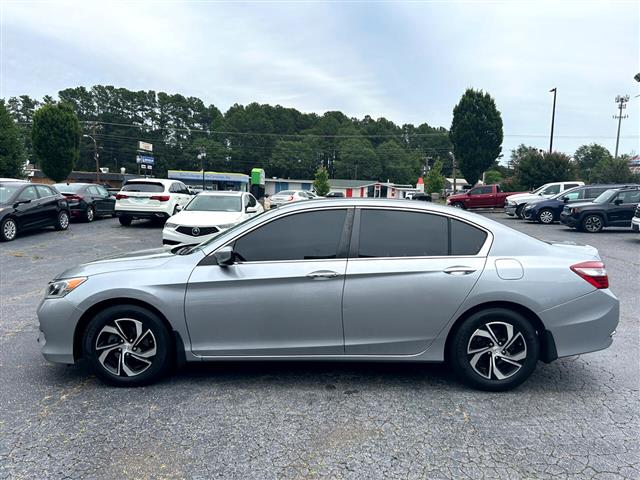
201 156
95 152
453 157
621 100
553 117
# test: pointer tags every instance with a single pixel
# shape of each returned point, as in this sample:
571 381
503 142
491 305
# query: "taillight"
593 272
72 197
120 196
161 198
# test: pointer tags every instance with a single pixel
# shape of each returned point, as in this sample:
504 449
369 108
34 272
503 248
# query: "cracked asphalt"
577 417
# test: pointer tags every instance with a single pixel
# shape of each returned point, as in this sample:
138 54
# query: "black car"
25 206
87 200
613 208
422 197
548 210
334 195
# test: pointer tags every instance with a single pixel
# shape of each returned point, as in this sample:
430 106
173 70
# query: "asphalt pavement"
577 417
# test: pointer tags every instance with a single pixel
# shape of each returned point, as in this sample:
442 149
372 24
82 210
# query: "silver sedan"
363 280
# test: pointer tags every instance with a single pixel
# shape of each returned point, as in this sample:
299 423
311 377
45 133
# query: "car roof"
163 181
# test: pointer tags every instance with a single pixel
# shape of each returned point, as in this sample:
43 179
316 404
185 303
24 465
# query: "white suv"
514 204
153 198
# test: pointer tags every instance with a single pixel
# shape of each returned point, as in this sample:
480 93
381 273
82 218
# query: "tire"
592 224
482 367
125 220
89 214
120 358
458 205
546 216
8 229
63 220
519 210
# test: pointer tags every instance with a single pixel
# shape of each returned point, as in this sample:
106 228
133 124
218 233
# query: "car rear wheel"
125 220
8 230
90 214
546 216
592 223
63 220
495 349
127 345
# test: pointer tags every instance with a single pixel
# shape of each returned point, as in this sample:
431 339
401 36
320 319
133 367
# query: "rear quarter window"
466 239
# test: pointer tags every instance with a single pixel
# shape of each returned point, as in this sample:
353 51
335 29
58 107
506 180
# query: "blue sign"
145 160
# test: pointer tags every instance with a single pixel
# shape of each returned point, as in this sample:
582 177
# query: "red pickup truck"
482 196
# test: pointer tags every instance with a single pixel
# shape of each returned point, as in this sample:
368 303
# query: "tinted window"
389 233
631 196
143 187
28 193
567 186
44 191
465 239
594 192
481 190
302 236
102 191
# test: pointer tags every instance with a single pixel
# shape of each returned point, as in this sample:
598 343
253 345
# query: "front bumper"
585 324
510 209
568 220
58 319
530 214
635 224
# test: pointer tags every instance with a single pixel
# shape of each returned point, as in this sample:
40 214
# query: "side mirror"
565 199
178 208
618 201
224 256
251 210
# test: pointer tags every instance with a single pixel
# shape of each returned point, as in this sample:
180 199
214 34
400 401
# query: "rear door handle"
458 270
323 274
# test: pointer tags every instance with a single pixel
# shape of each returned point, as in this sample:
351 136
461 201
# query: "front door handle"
458 270
323 274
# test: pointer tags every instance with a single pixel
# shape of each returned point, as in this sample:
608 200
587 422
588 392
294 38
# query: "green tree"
398 165
476 133
321 182
11 146
613 170
56 139
357 159
587 157
435 179
536 168
492 176
292 159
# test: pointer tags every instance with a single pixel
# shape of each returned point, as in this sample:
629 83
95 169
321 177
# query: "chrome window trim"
482 253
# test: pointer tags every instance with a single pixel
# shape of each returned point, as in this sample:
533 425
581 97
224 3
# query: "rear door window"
149 187
44 191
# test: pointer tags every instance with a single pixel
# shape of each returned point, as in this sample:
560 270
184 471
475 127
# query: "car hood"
204 219
525 197
154 257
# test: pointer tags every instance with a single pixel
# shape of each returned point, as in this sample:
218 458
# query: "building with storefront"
211 180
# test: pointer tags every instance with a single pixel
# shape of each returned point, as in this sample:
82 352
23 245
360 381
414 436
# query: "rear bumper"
585 324
142 214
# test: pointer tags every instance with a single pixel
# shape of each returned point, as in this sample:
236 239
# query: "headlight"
226 225
60 288
170 225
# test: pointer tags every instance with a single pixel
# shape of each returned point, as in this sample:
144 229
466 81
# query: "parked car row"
589 208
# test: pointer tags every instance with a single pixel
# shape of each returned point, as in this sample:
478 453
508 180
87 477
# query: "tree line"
284 141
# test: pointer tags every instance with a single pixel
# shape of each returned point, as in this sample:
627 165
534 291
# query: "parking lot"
574 417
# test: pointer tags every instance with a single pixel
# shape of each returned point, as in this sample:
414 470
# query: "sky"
407 61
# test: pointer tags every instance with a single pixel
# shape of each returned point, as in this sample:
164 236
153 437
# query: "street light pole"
95 156
201 156
553 117
453 157
621 100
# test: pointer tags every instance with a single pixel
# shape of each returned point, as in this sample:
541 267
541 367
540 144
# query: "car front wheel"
127 345
495 349
592 223
8 229
90 214
546 216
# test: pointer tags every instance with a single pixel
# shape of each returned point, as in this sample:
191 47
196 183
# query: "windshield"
8 189
215 203
143 187
605 196
539 189
68 187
